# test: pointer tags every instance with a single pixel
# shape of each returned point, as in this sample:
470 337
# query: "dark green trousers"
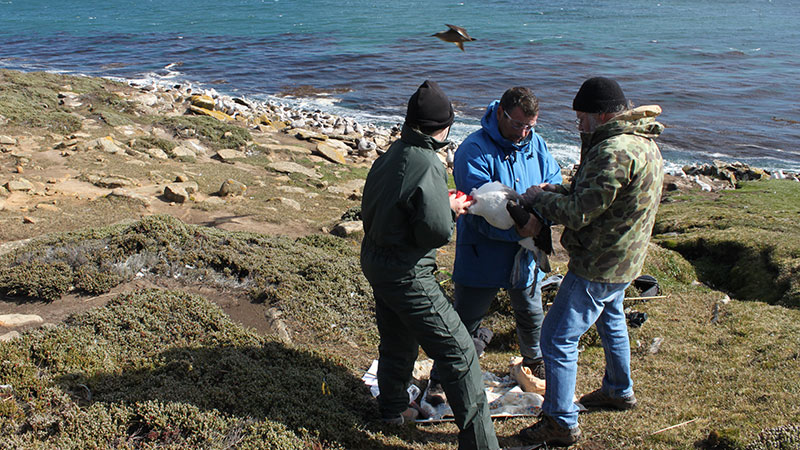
412 311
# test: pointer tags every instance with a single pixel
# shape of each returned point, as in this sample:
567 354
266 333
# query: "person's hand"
531 193
460 203
547 187
531 229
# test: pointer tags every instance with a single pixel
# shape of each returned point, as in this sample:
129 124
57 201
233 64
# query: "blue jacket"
484 254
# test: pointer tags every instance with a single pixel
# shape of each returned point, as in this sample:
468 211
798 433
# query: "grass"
277 271
745 241
164 369
31 100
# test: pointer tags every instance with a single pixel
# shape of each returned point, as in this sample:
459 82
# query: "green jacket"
405 209
609 210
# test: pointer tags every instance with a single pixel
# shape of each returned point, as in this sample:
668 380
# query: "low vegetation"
744 241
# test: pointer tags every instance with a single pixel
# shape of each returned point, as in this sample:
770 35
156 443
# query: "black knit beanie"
429 108
599 95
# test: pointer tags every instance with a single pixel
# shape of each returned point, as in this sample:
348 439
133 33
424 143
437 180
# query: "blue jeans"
473 303
579 304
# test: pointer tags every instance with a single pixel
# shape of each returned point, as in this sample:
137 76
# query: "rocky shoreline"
275 128
368 141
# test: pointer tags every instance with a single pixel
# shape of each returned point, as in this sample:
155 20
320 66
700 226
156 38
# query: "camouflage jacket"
609 210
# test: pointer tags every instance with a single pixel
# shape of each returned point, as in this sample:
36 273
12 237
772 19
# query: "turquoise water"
726 73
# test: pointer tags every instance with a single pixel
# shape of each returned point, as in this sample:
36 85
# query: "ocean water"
725 72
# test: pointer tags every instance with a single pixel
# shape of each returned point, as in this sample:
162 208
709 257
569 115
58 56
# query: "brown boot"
599 399
548 431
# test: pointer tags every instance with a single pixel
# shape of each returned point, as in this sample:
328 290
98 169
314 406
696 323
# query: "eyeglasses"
517 125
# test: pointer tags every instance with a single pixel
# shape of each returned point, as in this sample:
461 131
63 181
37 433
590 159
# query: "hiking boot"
406 417
435 394
537 369
599 399
548 431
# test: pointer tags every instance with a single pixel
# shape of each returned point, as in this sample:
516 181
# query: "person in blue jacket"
508 150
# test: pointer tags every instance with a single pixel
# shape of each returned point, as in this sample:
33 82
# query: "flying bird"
456 35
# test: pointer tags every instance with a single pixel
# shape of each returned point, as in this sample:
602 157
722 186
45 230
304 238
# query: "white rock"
182 152
294 204
108 145
348 228
195 146
156 153
18 320
7 140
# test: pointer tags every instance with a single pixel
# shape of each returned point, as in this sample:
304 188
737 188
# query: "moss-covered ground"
744 241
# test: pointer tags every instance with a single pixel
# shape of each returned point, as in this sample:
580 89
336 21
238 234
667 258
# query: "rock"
175 193
294 204
202 101
350 187
232 188
156 153
348 228
277 325
213 201
2 203
128 130
47 207
66 144
124 193
30 220
109 182
108 145
18 320
161 134
195 146
228 155
181 178
19 169
182 153
305 135
291 189
219 115
20 185
7 140
292 167
147 99
332 152
10 336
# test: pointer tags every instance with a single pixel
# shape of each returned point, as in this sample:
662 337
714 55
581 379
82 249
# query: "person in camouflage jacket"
608 213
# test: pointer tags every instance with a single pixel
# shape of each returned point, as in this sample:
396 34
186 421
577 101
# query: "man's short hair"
522 97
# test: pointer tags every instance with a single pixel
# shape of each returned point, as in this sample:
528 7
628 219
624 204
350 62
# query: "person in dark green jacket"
408 213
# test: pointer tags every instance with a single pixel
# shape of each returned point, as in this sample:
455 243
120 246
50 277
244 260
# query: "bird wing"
460 31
